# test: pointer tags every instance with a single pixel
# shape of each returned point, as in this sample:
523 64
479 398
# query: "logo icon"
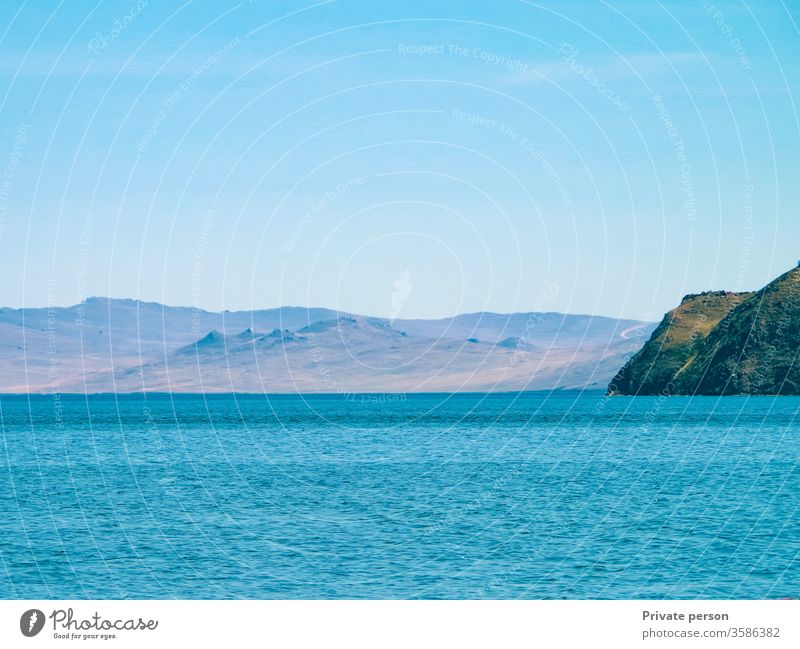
402 289
31 622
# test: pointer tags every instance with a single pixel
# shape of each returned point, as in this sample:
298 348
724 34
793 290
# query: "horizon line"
309 308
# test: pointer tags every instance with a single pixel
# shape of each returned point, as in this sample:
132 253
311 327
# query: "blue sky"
586 157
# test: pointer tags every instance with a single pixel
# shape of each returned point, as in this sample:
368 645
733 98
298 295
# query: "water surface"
425 496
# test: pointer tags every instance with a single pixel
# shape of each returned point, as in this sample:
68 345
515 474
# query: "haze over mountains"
111 345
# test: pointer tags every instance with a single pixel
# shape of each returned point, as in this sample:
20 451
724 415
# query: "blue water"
434 496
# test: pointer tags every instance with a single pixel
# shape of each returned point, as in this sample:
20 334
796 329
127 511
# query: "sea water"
560 495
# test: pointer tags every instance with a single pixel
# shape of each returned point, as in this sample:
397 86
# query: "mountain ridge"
111 345
96 299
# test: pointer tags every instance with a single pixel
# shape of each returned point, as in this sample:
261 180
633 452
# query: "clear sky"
413 159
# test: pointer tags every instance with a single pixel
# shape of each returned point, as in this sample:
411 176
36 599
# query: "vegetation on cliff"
722 343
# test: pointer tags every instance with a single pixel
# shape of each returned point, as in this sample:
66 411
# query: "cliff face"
722 343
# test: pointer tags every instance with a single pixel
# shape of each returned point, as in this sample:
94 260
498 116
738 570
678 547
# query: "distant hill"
722 343
109 345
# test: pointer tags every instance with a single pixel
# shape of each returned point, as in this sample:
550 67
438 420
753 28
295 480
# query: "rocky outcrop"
722 343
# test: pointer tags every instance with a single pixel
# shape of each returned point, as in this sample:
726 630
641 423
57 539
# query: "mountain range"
121 345
722 343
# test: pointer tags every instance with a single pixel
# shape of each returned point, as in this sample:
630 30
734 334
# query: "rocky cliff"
722 343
